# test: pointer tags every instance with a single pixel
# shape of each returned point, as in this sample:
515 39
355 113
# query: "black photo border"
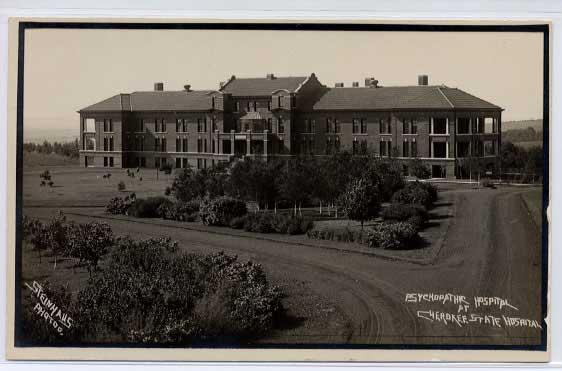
295 26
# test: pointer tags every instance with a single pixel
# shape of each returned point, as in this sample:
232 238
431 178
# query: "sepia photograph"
281 186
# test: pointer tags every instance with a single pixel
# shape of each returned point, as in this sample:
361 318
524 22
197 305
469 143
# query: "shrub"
179 210
238 222
416 193
487 183
121 186
221 210
259 222
166 168
168 191
29 227
120 205
176 299
419 170
392 235
147 207
415 214
340 234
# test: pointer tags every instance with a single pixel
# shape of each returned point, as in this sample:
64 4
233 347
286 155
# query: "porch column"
249 142
218 143
265 142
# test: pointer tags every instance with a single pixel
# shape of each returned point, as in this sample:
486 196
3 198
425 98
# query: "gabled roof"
400 97
248 87
199 100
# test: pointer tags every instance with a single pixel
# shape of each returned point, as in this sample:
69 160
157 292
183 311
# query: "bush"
271 223
166 168
120 205
179 210
392 235
121 186
221 210
487 183
416 193
238 222
361 200
419 170
148 207
340 234
415 214
187 299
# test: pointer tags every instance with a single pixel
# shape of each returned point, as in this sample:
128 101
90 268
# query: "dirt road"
492 248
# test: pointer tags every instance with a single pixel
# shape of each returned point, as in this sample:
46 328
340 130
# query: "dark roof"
400 97
248 87
199 100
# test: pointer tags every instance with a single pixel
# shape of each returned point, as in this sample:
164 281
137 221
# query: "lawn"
34 160
77 186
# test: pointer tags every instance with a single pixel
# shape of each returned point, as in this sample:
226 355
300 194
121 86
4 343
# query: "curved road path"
492 248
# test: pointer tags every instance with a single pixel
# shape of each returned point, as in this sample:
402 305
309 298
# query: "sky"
66 70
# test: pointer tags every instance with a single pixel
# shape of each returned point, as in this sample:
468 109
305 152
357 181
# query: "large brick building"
286 116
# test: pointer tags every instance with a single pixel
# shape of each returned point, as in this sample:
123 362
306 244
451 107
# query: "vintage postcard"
256 191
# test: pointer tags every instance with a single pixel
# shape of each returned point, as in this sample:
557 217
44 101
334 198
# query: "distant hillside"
522 124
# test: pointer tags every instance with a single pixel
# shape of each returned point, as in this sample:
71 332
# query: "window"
355 147
329 146
237 106
157 144
185 163
269 105
406 126
105 144
160 125
356 126
105 162
214 124
489 148
269 125
311 146
382 149
279 101
140 127
89 125
205 145
139 143
200 163
414 126
439 125
337 126
337 144
364 126
107 125
89 143
489 125
178 144
248 106
111 162
179 125
477 125
384 126
199 144
184 140
463 125
111 148
178 162
293 101
255 106
406 149
328 125
213 102
199 125
439 149
280 126
414 149
163 144
313 126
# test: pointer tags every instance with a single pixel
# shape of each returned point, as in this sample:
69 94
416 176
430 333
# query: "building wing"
252 87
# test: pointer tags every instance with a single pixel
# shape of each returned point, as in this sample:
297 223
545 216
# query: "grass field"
76 186
33 160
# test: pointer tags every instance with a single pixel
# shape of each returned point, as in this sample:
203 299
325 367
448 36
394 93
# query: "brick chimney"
355 84
187 87
423 80
270 76
339 85
158 86
370 82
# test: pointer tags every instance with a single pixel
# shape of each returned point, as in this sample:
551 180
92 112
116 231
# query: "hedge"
339 234
392 235
147 207
272 223
415 214
179 210
220 211
416 193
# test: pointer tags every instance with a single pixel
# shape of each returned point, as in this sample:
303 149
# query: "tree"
361 200
297 181
55 236
89 243
189 184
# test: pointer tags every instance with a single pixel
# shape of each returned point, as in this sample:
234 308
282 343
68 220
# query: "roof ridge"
474 96
444 96
424 93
